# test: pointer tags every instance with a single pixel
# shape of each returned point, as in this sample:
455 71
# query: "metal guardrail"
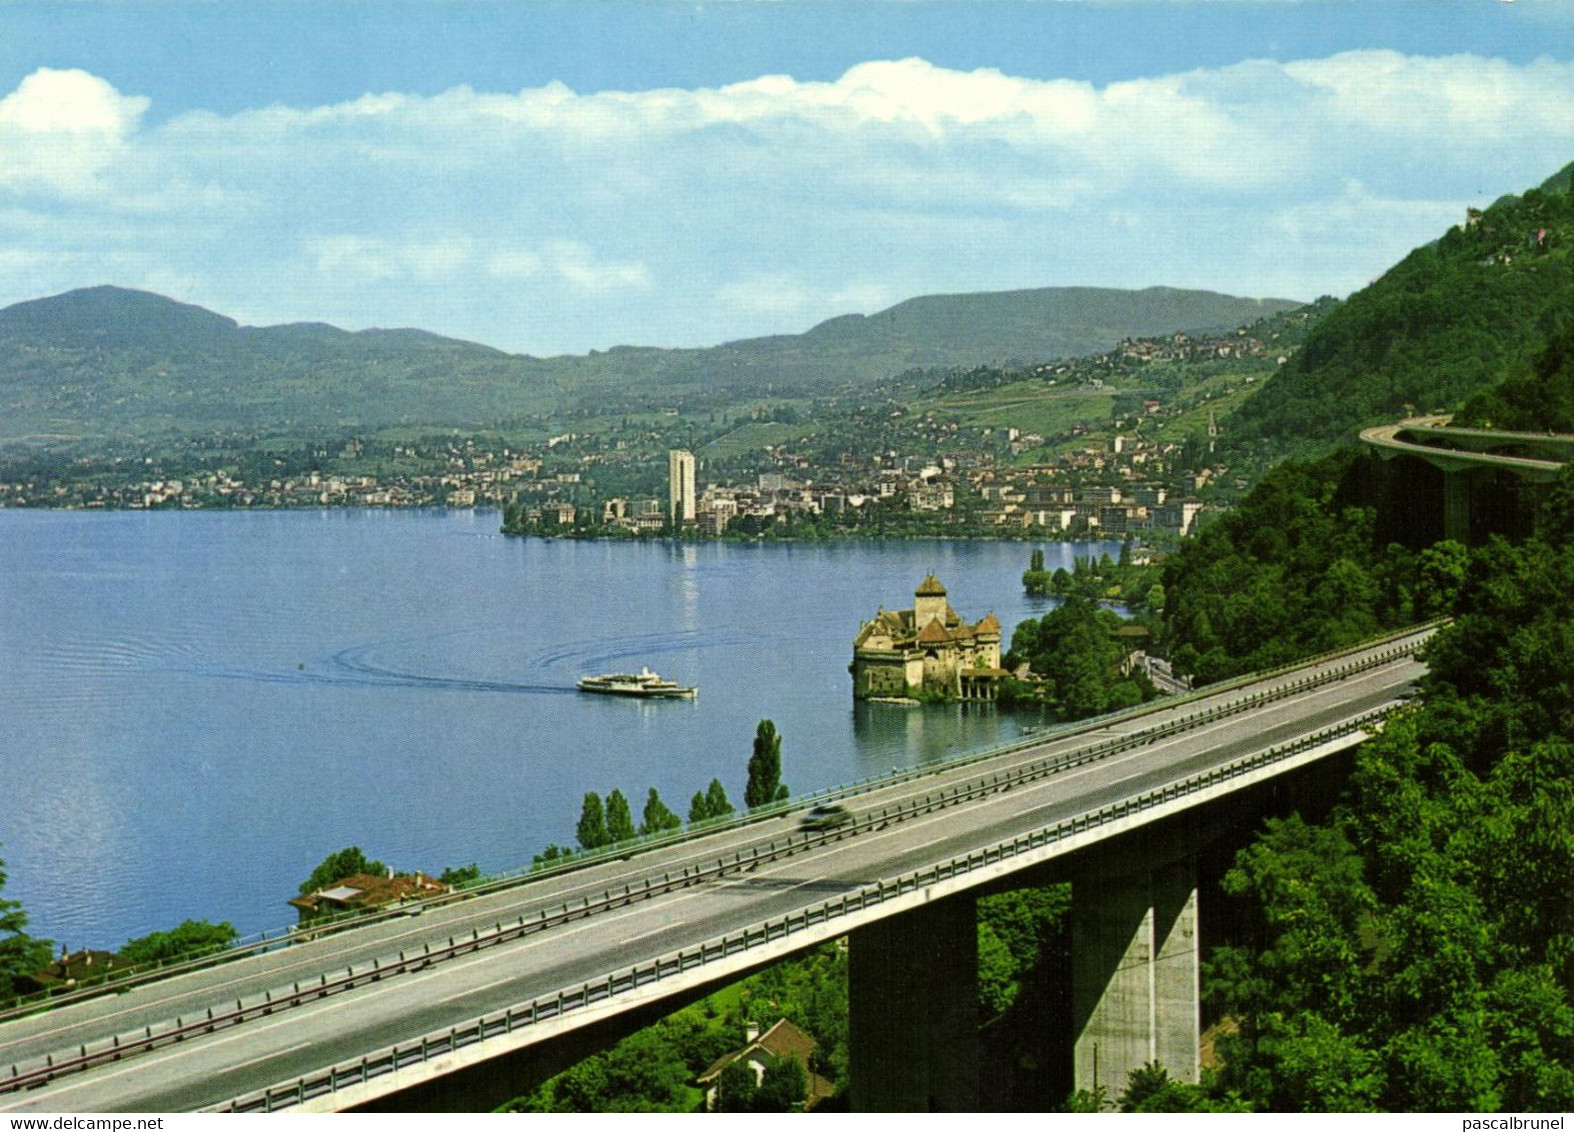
299 994
271 939
383 1062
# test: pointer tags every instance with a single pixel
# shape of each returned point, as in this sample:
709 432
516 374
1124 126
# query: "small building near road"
365 892
763 1051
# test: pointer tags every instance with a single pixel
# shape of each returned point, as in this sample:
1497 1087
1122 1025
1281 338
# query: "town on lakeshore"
936 453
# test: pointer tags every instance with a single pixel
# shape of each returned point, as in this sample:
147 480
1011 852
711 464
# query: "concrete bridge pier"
1134 959
1457 483
913 1010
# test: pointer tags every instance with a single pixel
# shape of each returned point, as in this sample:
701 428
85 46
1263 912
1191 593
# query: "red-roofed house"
762 1051
363 892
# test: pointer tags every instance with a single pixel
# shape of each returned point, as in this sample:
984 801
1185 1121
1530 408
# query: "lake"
198 707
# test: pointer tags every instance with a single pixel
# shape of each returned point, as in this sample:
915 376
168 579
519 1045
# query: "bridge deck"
575 933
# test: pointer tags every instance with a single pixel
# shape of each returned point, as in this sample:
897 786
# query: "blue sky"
555 177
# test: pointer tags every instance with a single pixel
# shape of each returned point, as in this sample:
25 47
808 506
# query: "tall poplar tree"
657 817
717 804
765 768
592 831
620 821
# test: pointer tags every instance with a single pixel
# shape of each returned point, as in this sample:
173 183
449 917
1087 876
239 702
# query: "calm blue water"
198 707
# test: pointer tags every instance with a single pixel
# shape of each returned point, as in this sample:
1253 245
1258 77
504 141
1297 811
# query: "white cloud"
681 216
70 102
60 129
513 263
774 294
577 263
373 259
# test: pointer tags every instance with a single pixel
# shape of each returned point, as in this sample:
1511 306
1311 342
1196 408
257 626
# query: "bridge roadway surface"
293 1041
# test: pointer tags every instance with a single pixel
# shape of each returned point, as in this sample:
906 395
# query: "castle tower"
929 602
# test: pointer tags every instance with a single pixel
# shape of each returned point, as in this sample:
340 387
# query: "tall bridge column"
1456 505
1134 979
913 1010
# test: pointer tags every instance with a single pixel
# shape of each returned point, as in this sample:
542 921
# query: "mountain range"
111 363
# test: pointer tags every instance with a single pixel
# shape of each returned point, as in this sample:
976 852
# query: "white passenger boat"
646 683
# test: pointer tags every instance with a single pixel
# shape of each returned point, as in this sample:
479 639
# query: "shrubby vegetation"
1416 951
1295 570
1451 319
21 955
190 938
1078 663
1541 399
336 866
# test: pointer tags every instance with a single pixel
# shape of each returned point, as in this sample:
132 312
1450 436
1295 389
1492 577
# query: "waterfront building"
680 486
927 650
365 892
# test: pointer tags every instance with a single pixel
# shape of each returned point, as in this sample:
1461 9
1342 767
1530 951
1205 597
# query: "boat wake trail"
351 666
551 671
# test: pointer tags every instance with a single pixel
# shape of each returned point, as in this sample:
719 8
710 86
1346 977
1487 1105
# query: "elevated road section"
1466 456
436 1009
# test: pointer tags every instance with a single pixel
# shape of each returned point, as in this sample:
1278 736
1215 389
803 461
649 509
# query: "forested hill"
111 362
1040 325
1452 318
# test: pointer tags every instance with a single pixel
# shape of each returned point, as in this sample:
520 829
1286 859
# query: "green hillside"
1452 318
108 362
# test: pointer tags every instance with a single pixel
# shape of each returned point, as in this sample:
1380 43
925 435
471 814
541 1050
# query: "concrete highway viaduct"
1482 470
469 1003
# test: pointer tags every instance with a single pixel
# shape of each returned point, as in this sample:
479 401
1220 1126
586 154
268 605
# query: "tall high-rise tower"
680 485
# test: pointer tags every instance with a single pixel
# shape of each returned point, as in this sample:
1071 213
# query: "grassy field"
754 436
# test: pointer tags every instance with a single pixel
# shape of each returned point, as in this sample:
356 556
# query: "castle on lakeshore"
927 651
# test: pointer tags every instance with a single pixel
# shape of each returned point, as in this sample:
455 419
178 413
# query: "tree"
765 768
783 1086
620 822
717 804
1152 1089
1074 650
1442 569
336 866
642 1073
592 828
699 808
997 971
1036 580
736 1088
21 956
657 818
461 876
193 937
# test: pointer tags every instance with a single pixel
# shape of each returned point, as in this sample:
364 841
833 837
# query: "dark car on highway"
825 816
